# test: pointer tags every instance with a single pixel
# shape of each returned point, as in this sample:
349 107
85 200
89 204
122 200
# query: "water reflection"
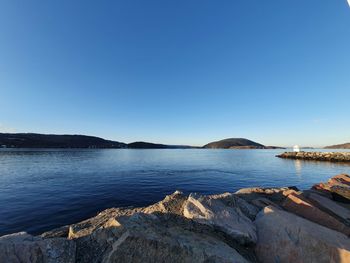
298 167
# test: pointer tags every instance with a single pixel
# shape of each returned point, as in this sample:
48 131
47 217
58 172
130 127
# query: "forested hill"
34 140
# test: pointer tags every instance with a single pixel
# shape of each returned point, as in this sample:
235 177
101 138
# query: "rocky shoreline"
317 156
250 225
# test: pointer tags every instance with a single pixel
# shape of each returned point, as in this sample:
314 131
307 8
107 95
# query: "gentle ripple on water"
43 189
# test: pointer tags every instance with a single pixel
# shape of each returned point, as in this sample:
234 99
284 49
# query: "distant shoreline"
66 141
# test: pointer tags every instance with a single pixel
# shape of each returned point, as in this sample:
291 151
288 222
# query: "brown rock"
343 191
284 237
299 206
330 206
343 178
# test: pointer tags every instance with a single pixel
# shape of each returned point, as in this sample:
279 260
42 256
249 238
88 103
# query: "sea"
41 189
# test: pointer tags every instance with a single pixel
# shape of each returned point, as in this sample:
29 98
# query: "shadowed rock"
24 248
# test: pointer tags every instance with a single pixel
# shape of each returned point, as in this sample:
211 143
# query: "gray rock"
253 193
103 219
285 237
146 239
248 209
22 248
170 204
215 211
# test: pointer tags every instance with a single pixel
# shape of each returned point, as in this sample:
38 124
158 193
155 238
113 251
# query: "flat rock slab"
330 206
342 190
214 210
24 248
298 205
285 237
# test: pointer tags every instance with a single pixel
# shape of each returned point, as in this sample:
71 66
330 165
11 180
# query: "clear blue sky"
179 72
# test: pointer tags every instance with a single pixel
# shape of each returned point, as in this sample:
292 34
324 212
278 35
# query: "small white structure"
296 148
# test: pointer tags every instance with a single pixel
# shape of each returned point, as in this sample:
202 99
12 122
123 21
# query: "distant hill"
339 146
149 145
146 145
34 140
234 143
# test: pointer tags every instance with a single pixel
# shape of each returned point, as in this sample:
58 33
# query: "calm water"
43 189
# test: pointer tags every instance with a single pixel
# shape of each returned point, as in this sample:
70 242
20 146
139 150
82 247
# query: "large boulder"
338 186
298 205
24 248
170 204
157 233
284 237
147 240
330 206
156 237
219 212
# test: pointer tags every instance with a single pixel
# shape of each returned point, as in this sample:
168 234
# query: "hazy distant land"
339 146
35 140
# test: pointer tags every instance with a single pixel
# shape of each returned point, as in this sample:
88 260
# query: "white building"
296 148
